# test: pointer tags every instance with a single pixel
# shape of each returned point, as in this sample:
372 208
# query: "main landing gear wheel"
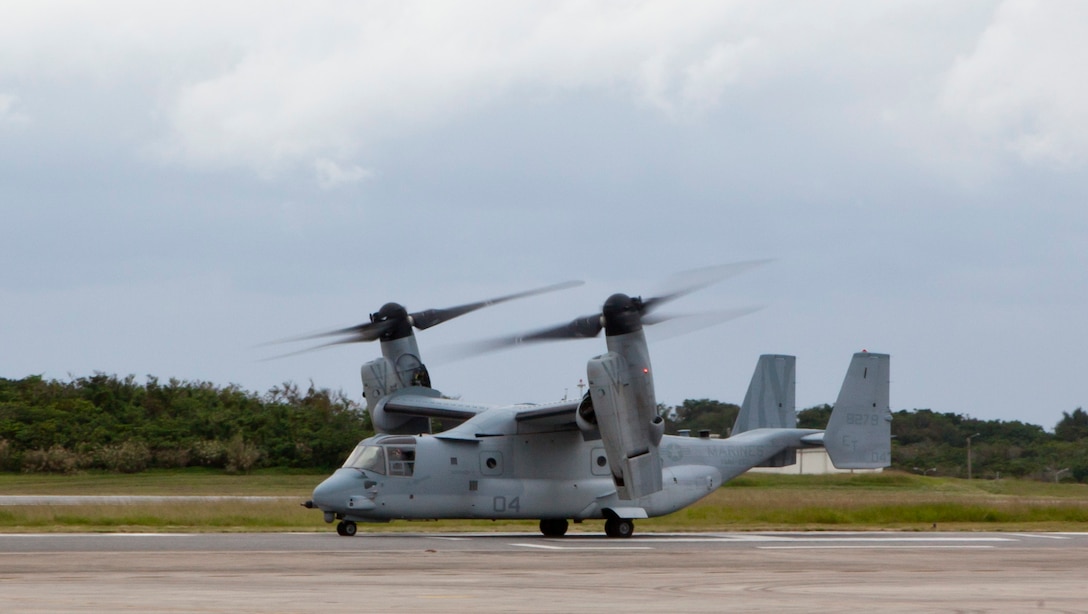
346 528
554 527
619 527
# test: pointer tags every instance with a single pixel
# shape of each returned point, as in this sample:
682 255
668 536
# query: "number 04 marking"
502 505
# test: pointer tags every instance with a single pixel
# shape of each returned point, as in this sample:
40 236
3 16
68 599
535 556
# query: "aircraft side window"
402 460
368 458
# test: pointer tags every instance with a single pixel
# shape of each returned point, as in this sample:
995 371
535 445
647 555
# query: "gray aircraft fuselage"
529 476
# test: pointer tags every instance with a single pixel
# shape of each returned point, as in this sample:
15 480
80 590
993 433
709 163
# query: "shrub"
209 453
172 458
128 457
6 455
56 459
241 456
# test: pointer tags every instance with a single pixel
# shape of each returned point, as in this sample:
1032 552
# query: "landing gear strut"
346 528
554 527
619 527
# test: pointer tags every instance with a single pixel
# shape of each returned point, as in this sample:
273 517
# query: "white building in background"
811 461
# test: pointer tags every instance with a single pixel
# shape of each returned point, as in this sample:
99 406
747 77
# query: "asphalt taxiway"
524 572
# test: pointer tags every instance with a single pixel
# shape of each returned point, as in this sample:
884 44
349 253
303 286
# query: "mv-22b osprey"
605 456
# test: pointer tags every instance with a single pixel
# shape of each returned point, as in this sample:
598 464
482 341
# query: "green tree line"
118 424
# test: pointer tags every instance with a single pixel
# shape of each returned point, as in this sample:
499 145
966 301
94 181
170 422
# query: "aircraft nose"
337 489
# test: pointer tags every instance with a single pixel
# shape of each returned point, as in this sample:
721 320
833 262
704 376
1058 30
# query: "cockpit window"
367 458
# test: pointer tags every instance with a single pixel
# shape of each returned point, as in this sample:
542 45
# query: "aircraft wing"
516 420
551 415
430 407
555 414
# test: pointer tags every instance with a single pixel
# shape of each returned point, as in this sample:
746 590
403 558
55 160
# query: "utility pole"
969 454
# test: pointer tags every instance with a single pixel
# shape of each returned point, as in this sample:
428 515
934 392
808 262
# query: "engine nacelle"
380 380
586 418
626 413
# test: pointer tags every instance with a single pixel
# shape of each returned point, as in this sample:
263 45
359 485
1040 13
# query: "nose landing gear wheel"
619 527
346 528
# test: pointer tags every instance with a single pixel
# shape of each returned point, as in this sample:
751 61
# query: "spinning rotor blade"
581 328
632 311
306 350
426 319
392 316
682 324
369 331
682 284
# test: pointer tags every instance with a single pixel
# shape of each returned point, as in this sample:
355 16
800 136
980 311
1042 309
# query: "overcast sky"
181 182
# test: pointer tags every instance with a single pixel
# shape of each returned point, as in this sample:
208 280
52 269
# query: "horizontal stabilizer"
858 435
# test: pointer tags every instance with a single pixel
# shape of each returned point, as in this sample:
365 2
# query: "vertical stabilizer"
858 434
769 402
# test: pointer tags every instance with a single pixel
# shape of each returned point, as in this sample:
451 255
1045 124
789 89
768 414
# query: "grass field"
888 500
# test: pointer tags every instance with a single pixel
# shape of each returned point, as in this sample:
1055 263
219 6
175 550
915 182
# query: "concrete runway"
524 572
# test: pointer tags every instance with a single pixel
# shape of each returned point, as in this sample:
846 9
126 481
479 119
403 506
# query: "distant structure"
811 461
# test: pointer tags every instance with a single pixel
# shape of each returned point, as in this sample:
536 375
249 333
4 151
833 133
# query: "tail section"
769 402
858 435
